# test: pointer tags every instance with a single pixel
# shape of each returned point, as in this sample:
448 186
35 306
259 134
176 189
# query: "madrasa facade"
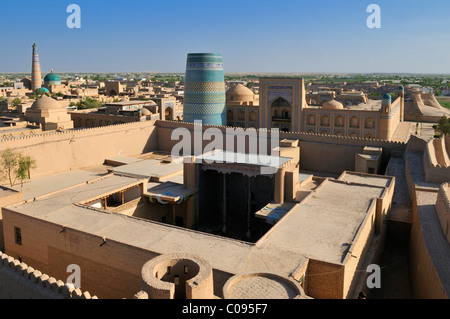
282 103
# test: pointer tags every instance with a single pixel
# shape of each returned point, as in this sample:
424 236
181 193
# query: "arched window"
339 122
230 115
325 120
354 122
369 123
311 120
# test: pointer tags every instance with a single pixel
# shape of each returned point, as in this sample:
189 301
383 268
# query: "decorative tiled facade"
204 96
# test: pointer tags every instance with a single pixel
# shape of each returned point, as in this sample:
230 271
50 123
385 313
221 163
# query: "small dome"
240 93
52 79
332 105
42 90
46 103
387 98
145 112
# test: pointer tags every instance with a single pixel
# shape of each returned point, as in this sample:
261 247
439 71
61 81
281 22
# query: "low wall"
331 154
443 209
435 162
112 270
20 281
74 149
425 280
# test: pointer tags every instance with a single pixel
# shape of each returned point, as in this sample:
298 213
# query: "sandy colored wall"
11 197
324 280
317 152
443 209
63 151
433 156
355 261
20 281
95 120
109 271
425 280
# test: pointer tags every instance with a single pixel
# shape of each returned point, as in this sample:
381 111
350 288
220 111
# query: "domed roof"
42 90
240 93
387 98
146 111
332 105
52 77
46 103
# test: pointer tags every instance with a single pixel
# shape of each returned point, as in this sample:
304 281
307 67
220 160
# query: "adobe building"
283 104
49 114
140 231
164 217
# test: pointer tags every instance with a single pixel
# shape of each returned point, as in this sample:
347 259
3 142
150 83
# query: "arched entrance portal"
281 111
168 114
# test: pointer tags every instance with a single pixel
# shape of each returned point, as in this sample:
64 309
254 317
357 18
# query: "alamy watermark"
235 150
374 279
74 19
74 279
374 20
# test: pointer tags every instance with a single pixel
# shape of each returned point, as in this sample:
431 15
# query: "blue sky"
252 35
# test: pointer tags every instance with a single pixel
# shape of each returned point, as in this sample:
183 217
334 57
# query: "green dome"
42 90
52 79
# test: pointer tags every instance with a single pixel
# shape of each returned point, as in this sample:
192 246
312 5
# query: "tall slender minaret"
36 79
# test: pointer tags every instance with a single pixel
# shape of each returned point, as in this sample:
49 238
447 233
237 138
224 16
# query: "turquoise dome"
42 90
52 79
387 98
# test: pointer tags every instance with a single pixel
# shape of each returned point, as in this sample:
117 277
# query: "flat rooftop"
220 156
225 254
324 224
321 227
149 168
362 178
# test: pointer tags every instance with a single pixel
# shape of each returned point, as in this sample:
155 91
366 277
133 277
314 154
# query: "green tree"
443 127
9 162
90 103
16 102
27 163
16 166
21 172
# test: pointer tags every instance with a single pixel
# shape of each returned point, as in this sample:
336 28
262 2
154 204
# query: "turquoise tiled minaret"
204 92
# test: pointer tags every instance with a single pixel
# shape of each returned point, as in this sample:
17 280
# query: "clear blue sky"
252 35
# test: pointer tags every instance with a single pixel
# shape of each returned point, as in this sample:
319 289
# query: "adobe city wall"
331 154
443 209
62 151
436 161
20 281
